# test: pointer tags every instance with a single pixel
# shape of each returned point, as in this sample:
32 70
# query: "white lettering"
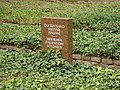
46 25
53 46
53 33
54 29
54 25
55 43
54 39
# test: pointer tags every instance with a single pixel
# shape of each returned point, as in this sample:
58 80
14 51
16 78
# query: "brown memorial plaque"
57 34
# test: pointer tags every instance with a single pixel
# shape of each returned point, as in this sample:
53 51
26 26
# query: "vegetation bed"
95 43
96 32
46 70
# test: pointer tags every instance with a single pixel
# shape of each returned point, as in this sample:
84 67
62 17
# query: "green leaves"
102 43
97 33
41 70
22 36
96 43
97 25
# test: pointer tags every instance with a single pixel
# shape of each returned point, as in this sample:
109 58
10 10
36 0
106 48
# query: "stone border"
98 61
15 23
13 47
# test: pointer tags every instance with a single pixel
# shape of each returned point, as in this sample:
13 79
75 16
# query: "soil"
7 0
11 47
84 1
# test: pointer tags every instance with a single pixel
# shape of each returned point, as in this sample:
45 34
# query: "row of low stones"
84 59
103 62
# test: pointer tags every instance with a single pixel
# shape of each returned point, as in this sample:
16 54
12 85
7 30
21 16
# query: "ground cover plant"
30 70
20 35
90 17
102 43
96 32
85 16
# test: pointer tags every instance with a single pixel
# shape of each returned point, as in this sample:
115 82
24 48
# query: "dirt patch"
9 22
83 1
11 47
7 0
